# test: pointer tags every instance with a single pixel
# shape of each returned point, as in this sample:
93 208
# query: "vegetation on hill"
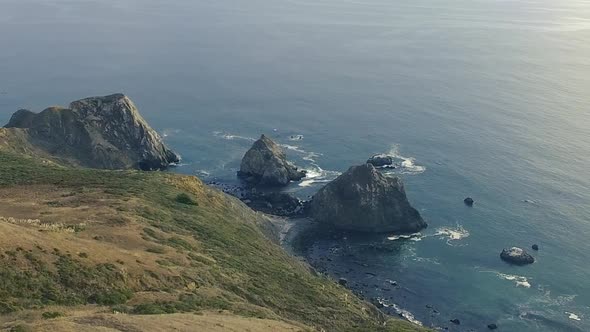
152 243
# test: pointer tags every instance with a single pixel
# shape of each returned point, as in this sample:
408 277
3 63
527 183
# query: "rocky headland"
98 132
90 248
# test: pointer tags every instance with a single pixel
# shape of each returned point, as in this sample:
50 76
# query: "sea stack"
98 132
265 164
517 256
363 199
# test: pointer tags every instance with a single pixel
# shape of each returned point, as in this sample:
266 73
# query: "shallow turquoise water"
484 98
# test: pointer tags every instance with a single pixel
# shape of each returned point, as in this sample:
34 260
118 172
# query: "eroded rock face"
363 199
100 132
517 256
380 160
266 164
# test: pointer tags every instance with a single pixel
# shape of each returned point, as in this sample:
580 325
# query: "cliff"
99 132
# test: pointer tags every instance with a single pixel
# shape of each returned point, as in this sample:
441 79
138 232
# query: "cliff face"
99 132
266 164
363 199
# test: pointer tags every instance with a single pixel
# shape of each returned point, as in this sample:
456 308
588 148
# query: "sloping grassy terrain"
154 243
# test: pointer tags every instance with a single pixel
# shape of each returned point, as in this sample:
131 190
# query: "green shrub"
19 328
112 297
52 314
185 199
156 250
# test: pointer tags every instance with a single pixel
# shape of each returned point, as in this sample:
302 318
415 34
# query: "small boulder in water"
380 160
343 281
456 321
535 247
492 326
469 201
517 256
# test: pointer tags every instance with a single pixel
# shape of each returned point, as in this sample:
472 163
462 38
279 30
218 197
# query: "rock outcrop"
380 160
517 256
266 164
99 132
363 199
468 201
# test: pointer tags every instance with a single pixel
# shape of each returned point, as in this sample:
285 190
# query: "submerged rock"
455 321
266 164
492 326
517 256
469 201
343 281
100 132
380 160
535 247
363 199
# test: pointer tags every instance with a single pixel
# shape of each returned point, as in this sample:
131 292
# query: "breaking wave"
228 136
452 234
404 313
519 281
403 165
316 174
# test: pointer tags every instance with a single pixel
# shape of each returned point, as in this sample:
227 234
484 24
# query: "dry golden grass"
138 249
89 318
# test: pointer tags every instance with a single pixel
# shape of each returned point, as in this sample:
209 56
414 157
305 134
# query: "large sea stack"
266 164
99 132
363 199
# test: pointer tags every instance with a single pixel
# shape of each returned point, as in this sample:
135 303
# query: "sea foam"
402 312
452 234
405 165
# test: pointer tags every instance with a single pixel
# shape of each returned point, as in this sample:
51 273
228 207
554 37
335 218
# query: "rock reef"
265 164
380 160
363 199
98 132
517 256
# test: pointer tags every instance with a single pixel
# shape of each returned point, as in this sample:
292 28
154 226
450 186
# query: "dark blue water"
485 98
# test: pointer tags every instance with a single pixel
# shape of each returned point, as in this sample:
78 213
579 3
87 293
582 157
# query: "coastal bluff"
98 132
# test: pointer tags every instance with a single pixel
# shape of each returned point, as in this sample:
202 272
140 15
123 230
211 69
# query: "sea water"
481 98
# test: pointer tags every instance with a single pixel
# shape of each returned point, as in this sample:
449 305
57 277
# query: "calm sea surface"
481 98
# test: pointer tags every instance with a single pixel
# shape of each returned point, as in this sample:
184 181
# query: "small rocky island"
363 199
98 132
517 256
380 160
265 164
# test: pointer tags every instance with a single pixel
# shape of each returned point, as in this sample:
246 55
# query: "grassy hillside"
79 245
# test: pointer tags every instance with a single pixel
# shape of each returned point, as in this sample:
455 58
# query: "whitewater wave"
403 165
316 174
519 281
170 132
402 312
296 138
573 316
452 234
228 136
203 173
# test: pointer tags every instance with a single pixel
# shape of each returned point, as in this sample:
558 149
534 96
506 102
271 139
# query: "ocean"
481 98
